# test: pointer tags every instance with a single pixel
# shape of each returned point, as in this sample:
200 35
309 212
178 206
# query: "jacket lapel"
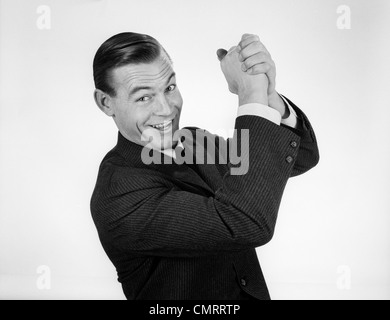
183 175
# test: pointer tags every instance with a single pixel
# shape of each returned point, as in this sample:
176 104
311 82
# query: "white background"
332 239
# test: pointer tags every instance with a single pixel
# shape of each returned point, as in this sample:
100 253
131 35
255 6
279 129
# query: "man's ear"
104 102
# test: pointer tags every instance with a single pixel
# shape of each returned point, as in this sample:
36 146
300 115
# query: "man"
189 230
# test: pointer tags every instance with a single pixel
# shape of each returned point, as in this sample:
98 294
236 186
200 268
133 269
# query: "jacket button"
243 282
289 159
294 144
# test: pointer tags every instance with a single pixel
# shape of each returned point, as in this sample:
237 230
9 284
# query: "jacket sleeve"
147 215
308 153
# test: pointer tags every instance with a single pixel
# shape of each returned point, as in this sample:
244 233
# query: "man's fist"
256 59
249 87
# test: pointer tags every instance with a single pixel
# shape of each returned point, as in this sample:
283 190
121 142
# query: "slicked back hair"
120 50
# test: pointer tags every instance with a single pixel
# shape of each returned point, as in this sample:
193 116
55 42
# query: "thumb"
221 53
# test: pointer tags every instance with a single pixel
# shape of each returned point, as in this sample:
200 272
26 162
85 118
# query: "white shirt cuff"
260 110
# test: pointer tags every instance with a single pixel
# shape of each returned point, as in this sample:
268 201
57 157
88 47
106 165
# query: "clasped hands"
251 73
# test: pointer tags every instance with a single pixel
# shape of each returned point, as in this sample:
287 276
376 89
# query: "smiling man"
139 95
188 230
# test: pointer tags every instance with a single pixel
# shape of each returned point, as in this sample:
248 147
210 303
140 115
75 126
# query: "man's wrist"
276 102
253 96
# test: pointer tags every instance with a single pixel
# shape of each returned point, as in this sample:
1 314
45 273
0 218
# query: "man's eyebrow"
136 89
170 78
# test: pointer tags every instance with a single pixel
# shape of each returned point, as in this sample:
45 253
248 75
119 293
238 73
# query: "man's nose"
163 107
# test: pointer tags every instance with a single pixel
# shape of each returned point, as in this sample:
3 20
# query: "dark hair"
120 50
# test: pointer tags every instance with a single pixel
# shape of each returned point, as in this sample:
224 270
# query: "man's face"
148 102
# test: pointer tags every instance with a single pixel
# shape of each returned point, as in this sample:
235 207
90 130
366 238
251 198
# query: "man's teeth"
162 125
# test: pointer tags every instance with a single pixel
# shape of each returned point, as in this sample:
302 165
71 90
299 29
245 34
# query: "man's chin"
160 140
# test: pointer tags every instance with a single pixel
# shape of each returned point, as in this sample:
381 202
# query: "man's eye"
171 88
144 99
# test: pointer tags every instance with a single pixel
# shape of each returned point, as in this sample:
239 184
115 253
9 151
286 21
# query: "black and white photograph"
213 153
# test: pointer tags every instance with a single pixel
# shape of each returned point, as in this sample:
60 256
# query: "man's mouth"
166 125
